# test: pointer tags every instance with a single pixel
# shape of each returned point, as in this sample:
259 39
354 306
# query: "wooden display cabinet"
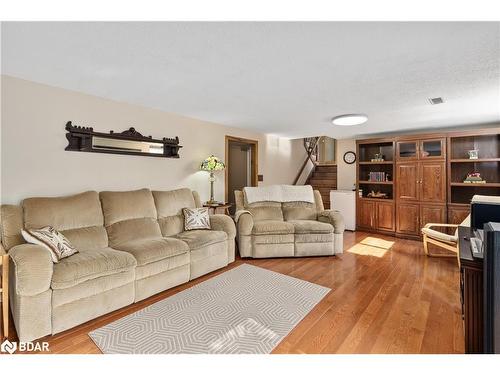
425 183
375 214
420 183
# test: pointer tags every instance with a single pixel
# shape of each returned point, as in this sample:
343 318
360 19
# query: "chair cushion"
440 236
88 265
272 227
311 226
149 250
201 238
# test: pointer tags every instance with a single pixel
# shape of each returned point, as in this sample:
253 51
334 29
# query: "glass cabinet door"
407 150
432 149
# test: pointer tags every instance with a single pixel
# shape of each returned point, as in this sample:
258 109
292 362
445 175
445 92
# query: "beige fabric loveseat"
131 245
268 229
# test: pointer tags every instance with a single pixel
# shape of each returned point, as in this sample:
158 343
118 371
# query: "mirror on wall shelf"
128 142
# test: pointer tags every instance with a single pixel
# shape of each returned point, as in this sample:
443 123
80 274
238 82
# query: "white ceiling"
287 79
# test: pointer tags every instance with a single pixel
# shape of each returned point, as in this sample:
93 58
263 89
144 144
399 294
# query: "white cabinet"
344 201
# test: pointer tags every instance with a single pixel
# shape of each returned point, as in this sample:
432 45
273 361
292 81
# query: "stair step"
322 181
325 174
324 188
323 166
325 170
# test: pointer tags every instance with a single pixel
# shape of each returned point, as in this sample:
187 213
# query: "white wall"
346 173
34 162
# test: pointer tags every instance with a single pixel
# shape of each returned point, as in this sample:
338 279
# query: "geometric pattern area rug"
242 311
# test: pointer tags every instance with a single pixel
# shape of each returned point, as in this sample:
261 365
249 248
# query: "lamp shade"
211 164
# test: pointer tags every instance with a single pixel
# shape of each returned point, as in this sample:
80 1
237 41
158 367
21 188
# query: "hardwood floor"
382 301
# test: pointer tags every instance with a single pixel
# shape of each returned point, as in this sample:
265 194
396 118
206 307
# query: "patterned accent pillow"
52 240
196 218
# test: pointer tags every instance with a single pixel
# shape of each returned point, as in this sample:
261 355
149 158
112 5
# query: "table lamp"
212 164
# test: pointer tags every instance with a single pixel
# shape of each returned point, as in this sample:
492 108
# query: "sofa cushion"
272 227
149 250
169 205
129 215
11 224
299 211
167 264
171 225
311 226
265 210
89 238
80 214
88 265
200 238
75 211
125 205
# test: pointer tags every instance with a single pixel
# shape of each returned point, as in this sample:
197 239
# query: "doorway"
241 166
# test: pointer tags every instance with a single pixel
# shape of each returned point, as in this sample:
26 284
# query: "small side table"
4 291
218 206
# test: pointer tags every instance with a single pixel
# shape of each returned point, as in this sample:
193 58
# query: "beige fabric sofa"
291 229
131 245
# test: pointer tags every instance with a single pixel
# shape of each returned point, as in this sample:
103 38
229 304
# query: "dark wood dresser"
471 293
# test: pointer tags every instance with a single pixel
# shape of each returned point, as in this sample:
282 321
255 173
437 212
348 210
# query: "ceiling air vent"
435 101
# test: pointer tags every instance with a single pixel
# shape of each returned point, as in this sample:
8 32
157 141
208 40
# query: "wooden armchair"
443 240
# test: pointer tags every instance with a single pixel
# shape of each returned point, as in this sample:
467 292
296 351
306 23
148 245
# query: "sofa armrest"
2 250
223 223
334 218
244 223
33 269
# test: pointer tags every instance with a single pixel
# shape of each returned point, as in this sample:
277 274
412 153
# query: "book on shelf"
377 177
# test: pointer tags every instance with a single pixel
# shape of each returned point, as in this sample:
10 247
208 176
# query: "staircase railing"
310 144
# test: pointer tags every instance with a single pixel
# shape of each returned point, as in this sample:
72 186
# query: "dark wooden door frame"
254 144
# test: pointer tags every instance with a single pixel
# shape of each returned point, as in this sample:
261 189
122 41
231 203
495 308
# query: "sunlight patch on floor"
371 246
377 242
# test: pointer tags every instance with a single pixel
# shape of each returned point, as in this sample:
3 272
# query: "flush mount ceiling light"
349 120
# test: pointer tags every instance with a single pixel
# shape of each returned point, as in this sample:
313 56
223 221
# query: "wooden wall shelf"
376 182
375 162
483 160
487 142
376 199
485 185
128 142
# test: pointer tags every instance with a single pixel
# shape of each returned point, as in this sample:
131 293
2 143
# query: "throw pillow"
51 239
196 218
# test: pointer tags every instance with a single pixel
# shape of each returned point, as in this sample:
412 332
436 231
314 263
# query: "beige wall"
346 173
34 162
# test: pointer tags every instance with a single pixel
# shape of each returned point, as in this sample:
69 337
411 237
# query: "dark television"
482 213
